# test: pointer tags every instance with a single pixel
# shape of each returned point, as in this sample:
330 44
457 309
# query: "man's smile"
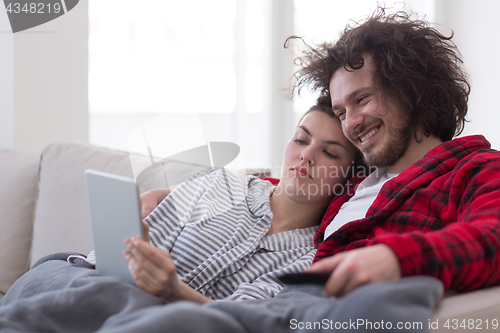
367 134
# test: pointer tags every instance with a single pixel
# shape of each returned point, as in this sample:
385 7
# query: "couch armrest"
18 179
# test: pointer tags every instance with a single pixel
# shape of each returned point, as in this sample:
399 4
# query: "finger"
145 271
154 260
146 250
149 201
348 276
136 251
145 227
146 206
144 214
156 280
341 283
337 282
143 279
146 209
326 265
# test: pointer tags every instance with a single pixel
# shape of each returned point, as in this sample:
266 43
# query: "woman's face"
317 159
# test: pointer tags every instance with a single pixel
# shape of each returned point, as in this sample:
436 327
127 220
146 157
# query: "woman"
233 263
258 232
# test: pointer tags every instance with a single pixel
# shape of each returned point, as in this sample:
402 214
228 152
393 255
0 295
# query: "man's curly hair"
415 64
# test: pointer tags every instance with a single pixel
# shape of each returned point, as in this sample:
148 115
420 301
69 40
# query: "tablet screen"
115 215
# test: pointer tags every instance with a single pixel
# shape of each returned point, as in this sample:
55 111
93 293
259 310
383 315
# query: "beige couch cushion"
62 221
18 179
478 308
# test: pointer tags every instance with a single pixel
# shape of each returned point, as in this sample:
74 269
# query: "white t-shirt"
358 206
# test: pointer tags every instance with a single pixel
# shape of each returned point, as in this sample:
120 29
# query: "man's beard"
394 149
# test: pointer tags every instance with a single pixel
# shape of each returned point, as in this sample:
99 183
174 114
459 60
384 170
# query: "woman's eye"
330 154
300 141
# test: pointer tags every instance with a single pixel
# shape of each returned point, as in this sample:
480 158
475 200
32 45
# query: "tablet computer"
115 215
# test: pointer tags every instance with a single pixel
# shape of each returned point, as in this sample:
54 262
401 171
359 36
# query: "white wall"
475 24
281 108
44 82
7 117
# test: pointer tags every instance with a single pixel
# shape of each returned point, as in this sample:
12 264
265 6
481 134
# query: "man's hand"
150 199
354 268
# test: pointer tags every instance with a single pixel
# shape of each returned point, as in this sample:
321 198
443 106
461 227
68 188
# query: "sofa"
43 210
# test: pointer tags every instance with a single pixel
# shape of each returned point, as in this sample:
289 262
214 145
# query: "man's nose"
352 121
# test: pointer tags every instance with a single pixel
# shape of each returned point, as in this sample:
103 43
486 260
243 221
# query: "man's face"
370 119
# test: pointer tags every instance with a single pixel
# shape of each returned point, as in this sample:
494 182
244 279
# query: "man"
431 208
397 86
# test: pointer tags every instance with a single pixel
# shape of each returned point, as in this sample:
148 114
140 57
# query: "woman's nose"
307 157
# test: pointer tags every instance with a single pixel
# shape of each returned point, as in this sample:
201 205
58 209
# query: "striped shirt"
214 226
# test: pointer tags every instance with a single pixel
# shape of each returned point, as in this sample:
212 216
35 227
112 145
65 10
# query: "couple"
428 218
222 236
217 236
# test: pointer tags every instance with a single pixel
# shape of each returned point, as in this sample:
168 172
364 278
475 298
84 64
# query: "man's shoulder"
470 167
480 157
473 150
470 145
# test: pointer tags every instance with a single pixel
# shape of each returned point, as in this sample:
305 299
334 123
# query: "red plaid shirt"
441 217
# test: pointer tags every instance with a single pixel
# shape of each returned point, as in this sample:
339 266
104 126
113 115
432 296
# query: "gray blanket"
58 297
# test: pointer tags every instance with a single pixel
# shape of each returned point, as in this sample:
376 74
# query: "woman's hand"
154 271
150 199
145 227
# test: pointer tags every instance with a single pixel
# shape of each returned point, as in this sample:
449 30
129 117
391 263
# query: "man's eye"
341 115
361 99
